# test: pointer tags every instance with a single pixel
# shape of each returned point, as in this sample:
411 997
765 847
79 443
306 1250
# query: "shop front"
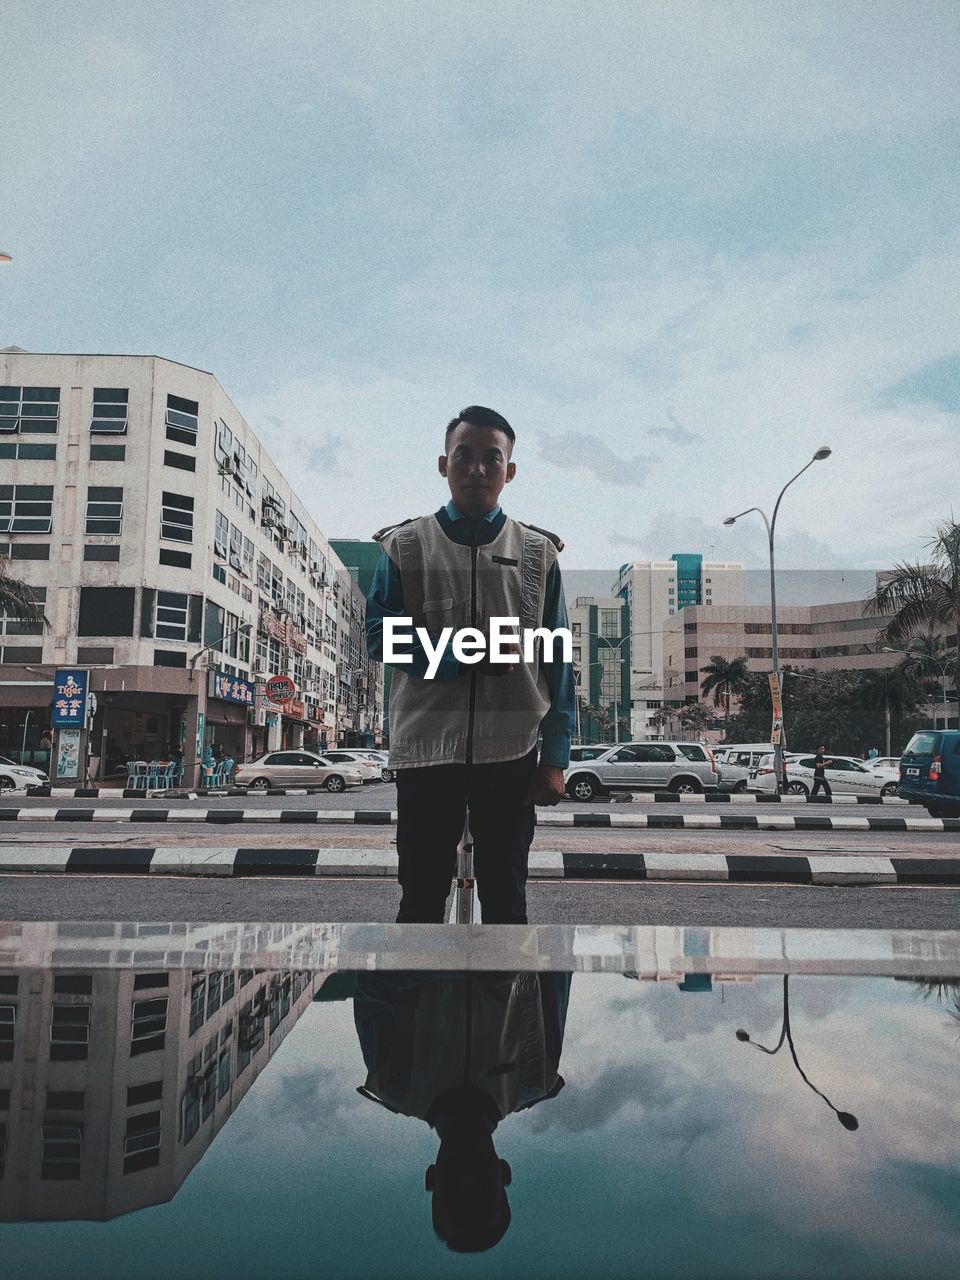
226 728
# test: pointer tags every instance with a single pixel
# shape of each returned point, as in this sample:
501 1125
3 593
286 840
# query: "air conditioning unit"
225 468
315 568
268 517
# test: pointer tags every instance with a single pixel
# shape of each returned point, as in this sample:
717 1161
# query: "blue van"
930 772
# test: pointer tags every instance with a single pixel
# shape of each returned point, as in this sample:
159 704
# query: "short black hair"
478 416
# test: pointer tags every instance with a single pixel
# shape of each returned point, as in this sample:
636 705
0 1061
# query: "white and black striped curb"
620 797
706 867
141 793
545 818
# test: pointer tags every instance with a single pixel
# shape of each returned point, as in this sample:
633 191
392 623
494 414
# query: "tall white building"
162 540
656 590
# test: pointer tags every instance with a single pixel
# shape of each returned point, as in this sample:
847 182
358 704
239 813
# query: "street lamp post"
942 667
771 524
577 673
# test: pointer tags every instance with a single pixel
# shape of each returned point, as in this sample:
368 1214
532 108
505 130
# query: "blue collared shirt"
385 599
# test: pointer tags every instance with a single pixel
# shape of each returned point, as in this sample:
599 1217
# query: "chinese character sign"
69 699
230 689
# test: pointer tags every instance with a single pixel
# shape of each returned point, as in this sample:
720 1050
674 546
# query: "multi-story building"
360 558
115 1082
823 637
175 561
655 590
601 632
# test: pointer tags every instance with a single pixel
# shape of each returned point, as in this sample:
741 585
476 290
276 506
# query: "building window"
169 658
69 1032
141 1142
152 1091
102 553
29 410
26 508
182 419
176 520
220 573
108 452
214 993
8 1025
609 623
198 1003
172 612
176 559
12 626
149 1026
109 411
28 450
221 536
104 510
106 611
183 461
62 1148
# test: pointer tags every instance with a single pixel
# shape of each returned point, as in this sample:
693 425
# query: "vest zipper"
473 670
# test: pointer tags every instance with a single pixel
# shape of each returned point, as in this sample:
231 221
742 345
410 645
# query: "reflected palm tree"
846 1119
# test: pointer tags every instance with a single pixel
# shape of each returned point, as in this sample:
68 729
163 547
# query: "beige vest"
475 718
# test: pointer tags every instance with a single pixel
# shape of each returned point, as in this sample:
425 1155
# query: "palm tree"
16 598
919 597
694 717
927 658
724 680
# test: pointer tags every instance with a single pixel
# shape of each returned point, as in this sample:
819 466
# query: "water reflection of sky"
674 1150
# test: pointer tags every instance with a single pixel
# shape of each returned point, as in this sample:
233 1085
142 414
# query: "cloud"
579 451
676 432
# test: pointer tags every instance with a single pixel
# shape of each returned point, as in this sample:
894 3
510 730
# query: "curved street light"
846 1119
943 667
823 452
616 684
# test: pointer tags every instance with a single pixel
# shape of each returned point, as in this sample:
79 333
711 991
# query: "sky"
678 245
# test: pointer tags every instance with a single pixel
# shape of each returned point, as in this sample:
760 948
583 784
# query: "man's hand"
509 647
546 785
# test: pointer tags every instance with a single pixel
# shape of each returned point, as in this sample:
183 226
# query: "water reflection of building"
113 1083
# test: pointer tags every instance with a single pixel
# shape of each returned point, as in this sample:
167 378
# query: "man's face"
476 466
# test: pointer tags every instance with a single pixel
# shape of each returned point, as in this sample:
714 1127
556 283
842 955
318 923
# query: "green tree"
17 599
922 597
694 717
928 658
725 680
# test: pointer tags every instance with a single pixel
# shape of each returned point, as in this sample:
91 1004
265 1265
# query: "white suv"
681 767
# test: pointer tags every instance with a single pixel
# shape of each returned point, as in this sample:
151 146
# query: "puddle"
256 1122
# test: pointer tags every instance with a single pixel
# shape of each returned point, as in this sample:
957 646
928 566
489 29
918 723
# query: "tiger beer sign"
280 689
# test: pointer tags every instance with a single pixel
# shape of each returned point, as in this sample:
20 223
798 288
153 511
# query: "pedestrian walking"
464 738
872 753
820 782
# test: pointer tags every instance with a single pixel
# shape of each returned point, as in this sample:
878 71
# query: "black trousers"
432 804
821 784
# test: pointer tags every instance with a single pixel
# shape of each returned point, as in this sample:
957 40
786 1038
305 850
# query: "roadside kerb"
545 818
309 862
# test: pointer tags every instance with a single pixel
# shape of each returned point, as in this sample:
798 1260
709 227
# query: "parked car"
884 762
17 777
663 766
930 771
736 761
845 774
369 770
590 752
295 769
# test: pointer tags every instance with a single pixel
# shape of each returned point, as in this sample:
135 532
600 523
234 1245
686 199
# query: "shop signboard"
230 688
68 753
295 709
69 698
280 689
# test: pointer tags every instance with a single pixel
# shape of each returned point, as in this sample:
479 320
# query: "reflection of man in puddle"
463 1051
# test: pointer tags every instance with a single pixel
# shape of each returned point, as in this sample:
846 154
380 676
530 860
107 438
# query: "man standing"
467 739
819 777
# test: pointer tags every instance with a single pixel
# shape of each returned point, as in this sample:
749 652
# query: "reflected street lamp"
823 452
846 1119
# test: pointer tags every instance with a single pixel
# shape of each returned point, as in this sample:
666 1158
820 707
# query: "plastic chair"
137 773
167 775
